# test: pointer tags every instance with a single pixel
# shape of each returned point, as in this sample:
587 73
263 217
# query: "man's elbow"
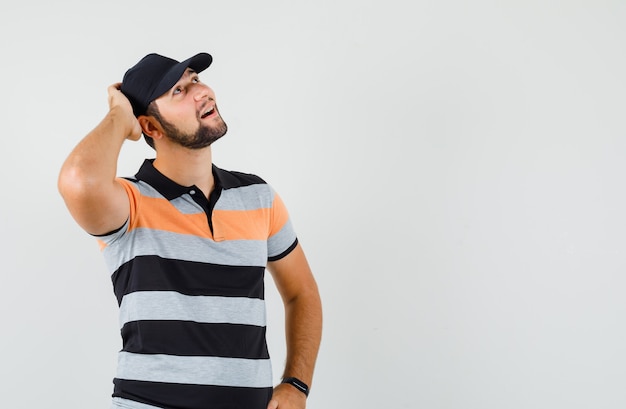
73 184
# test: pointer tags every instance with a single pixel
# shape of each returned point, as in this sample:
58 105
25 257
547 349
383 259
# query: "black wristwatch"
298 384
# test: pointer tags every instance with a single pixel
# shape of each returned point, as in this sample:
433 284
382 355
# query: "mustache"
207 102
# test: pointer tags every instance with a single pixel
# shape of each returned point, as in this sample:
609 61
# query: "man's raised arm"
87 182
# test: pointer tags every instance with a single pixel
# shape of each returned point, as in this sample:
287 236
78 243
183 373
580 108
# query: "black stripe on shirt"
184 396
186 338
154 273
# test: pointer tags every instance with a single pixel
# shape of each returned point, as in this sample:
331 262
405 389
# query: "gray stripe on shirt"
237 372
146 242
170 305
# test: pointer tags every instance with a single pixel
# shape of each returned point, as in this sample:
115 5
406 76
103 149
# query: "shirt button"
192 192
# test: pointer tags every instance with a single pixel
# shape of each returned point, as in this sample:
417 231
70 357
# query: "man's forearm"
303 328
94 159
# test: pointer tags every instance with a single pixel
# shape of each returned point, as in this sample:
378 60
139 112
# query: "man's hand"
287 397
120 105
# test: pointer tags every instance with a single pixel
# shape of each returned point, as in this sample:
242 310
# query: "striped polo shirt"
188 272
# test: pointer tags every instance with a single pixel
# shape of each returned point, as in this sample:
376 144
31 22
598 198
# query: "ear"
150 126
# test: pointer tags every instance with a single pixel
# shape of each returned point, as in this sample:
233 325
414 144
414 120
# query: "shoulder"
230 179
127 180
131 185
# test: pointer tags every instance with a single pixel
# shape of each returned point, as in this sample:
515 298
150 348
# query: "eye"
195 80
177 90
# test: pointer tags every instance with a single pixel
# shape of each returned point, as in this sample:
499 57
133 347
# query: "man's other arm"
303 325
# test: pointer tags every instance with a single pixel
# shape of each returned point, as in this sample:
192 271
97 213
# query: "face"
188 113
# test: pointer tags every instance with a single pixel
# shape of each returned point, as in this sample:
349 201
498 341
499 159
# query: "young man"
187 244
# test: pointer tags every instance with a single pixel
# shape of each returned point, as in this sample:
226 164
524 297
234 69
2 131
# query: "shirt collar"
166 186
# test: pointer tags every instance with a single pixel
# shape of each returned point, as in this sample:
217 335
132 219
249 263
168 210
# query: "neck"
187 167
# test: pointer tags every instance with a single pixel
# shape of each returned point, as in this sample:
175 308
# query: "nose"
201 92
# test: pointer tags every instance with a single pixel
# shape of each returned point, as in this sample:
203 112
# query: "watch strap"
298 384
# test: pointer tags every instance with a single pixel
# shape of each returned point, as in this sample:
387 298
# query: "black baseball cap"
154 75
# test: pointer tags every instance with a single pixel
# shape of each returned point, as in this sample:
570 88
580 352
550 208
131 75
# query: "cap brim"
198 63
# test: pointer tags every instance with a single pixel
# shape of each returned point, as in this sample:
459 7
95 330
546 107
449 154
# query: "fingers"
114 91
113 88
273 404
116 97
119 101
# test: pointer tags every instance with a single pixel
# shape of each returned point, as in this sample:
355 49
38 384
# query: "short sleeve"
282 236
133 198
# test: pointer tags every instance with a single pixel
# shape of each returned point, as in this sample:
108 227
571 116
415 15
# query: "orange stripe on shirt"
227 224
280 216
256 224
160 214
241 224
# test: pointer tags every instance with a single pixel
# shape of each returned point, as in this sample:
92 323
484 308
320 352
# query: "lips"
208 112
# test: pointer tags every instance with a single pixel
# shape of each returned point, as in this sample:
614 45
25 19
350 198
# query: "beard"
201 138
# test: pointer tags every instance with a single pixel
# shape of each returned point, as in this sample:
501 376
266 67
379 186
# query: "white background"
455 171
